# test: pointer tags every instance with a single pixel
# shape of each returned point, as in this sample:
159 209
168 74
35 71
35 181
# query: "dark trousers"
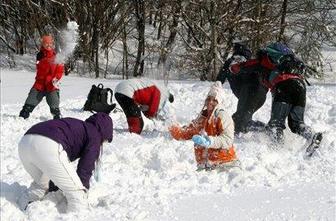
132 112
35 97
289 101
250 99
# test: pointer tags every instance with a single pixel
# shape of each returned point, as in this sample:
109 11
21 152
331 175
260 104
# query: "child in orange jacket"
48 74
212 133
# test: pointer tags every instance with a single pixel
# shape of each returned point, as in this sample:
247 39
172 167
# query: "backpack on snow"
99 99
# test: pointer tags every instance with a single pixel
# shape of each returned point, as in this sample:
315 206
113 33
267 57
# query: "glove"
234 68
200 140
238 59
56 83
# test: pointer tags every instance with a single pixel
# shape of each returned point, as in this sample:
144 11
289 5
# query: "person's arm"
250 66
187 132
224 71
225 139
59 70
86 163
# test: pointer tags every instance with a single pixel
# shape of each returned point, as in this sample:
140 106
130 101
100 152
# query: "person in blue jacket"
48 148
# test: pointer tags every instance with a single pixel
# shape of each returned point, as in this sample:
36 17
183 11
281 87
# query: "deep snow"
152 177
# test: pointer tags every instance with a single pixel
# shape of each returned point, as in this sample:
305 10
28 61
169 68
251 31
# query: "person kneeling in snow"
212 132
47 149
48 75
142 95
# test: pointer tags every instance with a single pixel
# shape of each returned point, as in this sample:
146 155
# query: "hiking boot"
26 110
316 141
56 113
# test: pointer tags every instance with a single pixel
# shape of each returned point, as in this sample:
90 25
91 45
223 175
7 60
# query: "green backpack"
284 59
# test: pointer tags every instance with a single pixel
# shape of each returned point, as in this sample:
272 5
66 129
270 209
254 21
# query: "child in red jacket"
48 74
142 95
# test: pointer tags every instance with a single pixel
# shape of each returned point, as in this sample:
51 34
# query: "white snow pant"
44 159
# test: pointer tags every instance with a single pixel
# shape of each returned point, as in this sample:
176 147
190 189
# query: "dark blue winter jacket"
80 139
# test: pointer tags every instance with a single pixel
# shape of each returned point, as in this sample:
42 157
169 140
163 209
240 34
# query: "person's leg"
281 106
250 99
132 112
54 163
296 123
244 111
33 99
276 124
39 186
296 116
53 100
257 100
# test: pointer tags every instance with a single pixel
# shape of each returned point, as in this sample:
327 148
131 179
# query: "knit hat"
217 92
47 39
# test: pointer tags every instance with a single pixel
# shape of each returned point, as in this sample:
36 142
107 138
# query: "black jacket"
237 81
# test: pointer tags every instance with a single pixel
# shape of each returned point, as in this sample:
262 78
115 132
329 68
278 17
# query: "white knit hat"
217 92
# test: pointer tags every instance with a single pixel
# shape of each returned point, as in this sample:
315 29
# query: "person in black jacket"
283 73
248 89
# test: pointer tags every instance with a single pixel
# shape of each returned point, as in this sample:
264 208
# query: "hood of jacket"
104 125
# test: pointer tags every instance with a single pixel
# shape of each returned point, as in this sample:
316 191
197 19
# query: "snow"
152 177
69 41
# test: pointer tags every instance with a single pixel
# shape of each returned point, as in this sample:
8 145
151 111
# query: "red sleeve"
245 67
249 66
59 70
155 101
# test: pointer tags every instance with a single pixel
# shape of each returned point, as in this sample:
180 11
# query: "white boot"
35 192
77 200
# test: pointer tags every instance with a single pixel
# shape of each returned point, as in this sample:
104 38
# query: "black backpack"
99 99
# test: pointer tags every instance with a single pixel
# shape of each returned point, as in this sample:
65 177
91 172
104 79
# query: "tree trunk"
213 70
173 31
125 54
283 20
95 42
140 16
160 25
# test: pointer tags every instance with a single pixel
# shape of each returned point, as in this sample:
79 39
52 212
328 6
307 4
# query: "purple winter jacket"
80 139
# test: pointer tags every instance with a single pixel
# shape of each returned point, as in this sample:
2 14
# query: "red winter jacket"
47 70
264 66
144 92
149 96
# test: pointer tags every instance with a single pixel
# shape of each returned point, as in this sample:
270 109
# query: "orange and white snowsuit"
220 129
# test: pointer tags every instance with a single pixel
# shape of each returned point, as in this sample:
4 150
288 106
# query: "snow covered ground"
152 177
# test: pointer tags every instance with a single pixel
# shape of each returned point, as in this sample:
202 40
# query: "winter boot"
26 110
314 144
276 125
35 192
276 134
77 200
56 113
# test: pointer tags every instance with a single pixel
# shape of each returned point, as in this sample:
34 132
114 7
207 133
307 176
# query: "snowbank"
152 177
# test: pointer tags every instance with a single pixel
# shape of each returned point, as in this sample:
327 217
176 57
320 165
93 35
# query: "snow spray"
69 38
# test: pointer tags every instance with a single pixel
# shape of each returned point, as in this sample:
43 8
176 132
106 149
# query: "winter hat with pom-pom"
217 92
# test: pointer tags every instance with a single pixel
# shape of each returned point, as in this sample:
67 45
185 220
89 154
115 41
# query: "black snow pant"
132 112
289 101
35 97
250 98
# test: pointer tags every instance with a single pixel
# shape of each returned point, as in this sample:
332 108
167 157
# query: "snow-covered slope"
152 177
